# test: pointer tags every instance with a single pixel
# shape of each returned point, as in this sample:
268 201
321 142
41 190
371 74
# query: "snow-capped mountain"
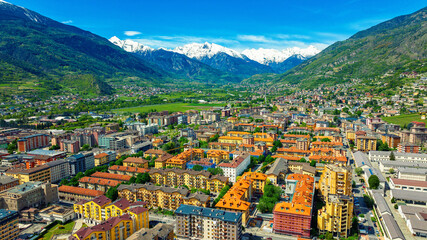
268 56
201 50
243 64
129 45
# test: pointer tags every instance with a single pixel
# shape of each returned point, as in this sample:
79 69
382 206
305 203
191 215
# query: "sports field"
171 107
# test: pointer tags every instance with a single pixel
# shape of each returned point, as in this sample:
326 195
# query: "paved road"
362 209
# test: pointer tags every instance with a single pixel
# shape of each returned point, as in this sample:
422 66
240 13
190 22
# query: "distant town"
332 162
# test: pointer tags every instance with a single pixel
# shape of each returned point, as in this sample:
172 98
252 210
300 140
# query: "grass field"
171 107
404 119
59 229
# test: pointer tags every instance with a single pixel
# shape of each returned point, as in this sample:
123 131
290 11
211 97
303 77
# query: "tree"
197 167
270 198
353 184
54 147
374 182
313 163
216 171
143 178
274 149
132 179
13 146
392 157
396 206
358 171
393 200
325 140
112 193
64 182
85 147
391 171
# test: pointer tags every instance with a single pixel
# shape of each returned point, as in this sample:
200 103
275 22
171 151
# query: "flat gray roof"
409 195
392 227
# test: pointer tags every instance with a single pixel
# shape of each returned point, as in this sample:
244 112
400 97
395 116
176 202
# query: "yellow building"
350 135
115 228
181 159
92 211
335 179
190 178
101 209
9 224
336 216
38 173
365 143
237 199
135 162
237 133
218 155
162 196
228 139
160 162
101 159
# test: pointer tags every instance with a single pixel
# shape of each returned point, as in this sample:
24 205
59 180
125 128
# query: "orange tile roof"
100 181
136 160
128 169
327 143
290 158
101 155
296 136
288 141
113 176
230 138
292 149
286 207
328 158
327 129
80 191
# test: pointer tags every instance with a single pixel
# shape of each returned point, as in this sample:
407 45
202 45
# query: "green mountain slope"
399 44
39 55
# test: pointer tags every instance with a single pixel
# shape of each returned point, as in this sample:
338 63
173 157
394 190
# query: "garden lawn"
404 119
57 230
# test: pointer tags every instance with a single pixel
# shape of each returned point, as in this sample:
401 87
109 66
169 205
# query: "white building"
412 174
143 128
378 156
236 167
59 169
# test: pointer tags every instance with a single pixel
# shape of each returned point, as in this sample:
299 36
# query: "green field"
172 107
58 229
404 119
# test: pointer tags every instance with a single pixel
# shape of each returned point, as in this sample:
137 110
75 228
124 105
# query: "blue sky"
238 24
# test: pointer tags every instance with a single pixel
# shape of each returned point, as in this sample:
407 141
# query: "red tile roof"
113 176
80 191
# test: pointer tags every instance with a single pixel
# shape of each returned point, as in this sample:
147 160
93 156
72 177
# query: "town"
324 163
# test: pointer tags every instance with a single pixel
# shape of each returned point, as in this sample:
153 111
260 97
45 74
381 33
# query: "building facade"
207 223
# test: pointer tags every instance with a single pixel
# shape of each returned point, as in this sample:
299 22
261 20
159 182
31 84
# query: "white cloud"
131 33
253 38
67 22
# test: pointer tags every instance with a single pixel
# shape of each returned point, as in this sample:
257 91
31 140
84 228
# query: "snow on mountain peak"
266 56
129 45
200 50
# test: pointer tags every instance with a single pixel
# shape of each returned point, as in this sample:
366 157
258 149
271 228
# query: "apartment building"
71 146
81 162
207 223
59 169
75 194
379 156
162 196
335 179
392 140
7 182
115 228
111 176
218 156
28 195
100 184
28 143
135 162
9 224
39 173
408 147
237 199
293 216
236 166
131 171
223 146
366 143
161 231
190 178
336 216
160 162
